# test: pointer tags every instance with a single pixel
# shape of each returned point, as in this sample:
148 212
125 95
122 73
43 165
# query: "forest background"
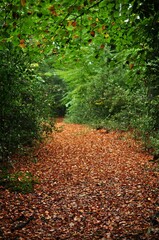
97 61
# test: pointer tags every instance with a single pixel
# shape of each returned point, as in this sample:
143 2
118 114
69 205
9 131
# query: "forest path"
94 184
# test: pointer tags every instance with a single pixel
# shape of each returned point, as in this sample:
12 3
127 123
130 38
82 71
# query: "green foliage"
26 101
54 88
114 81
113 96
17 96
18 182
107 52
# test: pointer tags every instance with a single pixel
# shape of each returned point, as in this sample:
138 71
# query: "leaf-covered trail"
93 185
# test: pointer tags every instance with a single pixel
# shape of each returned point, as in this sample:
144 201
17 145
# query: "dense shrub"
25 100
117 98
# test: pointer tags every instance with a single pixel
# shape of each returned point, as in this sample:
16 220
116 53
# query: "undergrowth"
19 181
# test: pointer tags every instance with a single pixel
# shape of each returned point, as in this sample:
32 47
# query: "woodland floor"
93 184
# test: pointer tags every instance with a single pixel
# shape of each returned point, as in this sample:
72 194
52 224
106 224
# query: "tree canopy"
64 27
67 28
